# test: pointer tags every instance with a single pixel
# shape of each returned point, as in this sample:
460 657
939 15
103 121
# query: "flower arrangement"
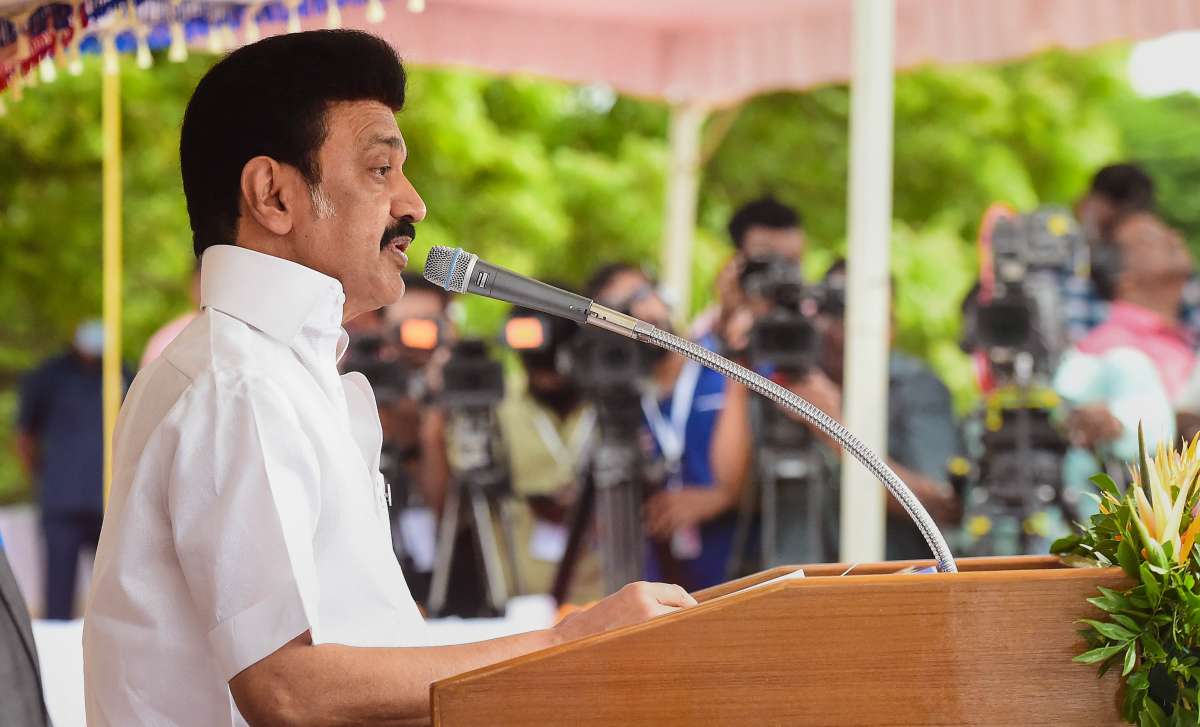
1151 631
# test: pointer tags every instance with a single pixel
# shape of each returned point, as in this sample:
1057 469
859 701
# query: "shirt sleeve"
244 499
929 435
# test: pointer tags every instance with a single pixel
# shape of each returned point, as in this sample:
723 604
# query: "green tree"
552 179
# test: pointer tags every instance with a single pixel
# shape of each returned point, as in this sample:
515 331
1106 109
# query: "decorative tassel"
74 59
250 22
375 12
333 16
215 46
178 51
293 23
416 6
47 70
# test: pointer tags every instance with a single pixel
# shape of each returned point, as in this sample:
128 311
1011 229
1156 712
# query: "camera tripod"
614 486
480 496
796 499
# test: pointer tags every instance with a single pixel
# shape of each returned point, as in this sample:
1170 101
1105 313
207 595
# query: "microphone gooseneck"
453 269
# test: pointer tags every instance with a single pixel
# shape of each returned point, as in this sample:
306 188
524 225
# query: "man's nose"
407 203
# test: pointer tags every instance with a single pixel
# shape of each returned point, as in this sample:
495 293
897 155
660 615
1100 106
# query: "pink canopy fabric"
719 52
710 51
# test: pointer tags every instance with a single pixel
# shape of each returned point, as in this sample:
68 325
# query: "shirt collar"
276 296
1136 318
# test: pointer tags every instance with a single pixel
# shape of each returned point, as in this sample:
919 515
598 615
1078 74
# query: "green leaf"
1065 545
1100 654
1143 462
1154 551
1151 648
1127 557
1152 715
1127 622
1139 680
1153 591
1105 484
1104 604
1110 630
1130 659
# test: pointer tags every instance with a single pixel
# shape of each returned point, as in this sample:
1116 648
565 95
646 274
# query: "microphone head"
446 267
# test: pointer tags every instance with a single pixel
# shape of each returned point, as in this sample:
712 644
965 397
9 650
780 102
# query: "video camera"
1031 255
784 338
381 359
1017 450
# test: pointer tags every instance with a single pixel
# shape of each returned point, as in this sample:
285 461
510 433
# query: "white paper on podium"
798 573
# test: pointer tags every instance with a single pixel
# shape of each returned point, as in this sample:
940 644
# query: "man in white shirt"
245 573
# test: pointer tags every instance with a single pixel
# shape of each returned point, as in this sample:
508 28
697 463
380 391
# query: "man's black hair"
416 283
1126 185
762 212
269 99
604 275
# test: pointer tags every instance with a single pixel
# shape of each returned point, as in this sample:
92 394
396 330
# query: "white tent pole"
867 297
683 174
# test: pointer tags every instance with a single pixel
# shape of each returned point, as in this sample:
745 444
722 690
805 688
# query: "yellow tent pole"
111 132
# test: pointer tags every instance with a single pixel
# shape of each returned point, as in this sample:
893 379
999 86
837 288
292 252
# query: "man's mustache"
403 228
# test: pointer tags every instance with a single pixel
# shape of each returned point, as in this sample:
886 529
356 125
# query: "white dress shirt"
247 505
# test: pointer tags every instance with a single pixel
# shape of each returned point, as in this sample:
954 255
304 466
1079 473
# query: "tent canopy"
710 51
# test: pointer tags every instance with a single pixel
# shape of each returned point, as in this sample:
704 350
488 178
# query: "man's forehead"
368 123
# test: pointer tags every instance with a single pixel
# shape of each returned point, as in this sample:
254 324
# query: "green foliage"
1152 629
552 180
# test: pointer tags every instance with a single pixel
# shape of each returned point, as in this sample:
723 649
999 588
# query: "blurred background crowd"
1044 304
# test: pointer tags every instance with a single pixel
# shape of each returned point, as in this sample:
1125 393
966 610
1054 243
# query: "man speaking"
245 573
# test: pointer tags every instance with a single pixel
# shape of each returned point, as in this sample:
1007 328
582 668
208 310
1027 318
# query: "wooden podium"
990 645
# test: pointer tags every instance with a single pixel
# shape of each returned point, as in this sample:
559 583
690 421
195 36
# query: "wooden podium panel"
990 645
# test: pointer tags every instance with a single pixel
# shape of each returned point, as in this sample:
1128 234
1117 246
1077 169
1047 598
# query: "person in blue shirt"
60 442
695 420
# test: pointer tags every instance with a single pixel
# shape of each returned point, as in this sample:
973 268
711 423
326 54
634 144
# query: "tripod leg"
447 531
493 567
581 516
508 531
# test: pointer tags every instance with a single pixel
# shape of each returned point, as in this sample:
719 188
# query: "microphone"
459 271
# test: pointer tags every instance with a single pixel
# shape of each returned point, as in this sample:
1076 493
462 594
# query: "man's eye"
382 171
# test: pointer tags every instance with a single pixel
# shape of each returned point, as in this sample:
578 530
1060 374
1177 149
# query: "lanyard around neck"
565 455
671 433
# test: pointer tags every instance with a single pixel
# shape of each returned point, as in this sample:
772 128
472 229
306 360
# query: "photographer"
1133 368
762 228
547 429
922 434
1116 191
690 410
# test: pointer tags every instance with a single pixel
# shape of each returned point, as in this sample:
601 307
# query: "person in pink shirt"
1143 269
163 336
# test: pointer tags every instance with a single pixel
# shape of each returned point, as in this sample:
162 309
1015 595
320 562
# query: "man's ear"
267 194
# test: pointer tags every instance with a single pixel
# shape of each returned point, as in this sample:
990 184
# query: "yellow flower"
1162 498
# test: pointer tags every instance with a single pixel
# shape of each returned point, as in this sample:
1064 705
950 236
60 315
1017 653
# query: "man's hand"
820 391
1093 424
633 604
671 510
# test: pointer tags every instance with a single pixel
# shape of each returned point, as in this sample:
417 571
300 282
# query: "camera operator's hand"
1093 424
671 510
820 391
632 604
